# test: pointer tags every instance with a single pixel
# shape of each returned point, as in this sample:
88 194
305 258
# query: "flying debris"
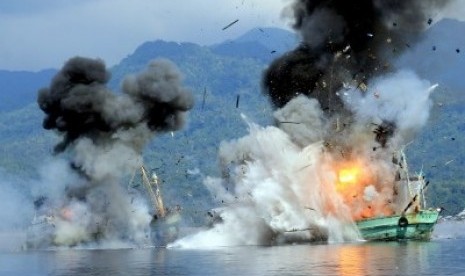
237 100
383 132
230 24
285 122
432 87
204 97
362 86
448 162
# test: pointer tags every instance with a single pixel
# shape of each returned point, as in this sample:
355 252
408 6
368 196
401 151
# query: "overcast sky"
38 34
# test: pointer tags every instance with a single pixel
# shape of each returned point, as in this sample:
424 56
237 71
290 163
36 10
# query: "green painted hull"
415 226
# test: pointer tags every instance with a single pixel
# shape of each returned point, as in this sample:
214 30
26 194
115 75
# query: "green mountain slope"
225 80
18 89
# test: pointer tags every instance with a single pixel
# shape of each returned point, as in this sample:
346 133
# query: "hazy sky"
38 34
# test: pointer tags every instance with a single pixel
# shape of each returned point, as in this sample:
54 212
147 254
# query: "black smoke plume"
78 103
344 43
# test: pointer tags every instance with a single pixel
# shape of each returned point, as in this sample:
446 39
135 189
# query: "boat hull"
414 226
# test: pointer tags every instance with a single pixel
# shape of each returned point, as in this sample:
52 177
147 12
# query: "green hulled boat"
414 222
414 226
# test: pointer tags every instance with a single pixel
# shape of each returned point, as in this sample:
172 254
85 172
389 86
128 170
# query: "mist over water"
16 208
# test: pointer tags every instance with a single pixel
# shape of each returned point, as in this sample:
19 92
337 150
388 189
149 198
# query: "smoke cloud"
103 134
78 104
345 43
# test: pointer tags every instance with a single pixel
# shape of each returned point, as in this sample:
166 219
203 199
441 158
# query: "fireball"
350 177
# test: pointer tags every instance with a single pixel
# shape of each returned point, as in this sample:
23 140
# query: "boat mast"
155 197
404 167
415 185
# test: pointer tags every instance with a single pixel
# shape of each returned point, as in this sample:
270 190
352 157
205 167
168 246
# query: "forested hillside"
225 80
17 89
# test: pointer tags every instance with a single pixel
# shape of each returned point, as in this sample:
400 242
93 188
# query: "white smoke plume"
304 119
401 98
276 191
294 183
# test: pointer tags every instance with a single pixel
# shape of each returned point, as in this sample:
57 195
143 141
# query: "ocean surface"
437 257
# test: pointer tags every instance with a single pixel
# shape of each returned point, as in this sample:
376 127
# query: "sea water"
437 257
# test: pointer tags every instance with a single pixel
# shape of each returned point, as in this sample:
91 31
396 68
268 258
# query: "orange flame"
349 176
353 177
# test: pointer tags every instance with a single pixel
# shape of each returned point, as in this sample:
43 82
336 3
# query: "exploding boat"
415 222
43 230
